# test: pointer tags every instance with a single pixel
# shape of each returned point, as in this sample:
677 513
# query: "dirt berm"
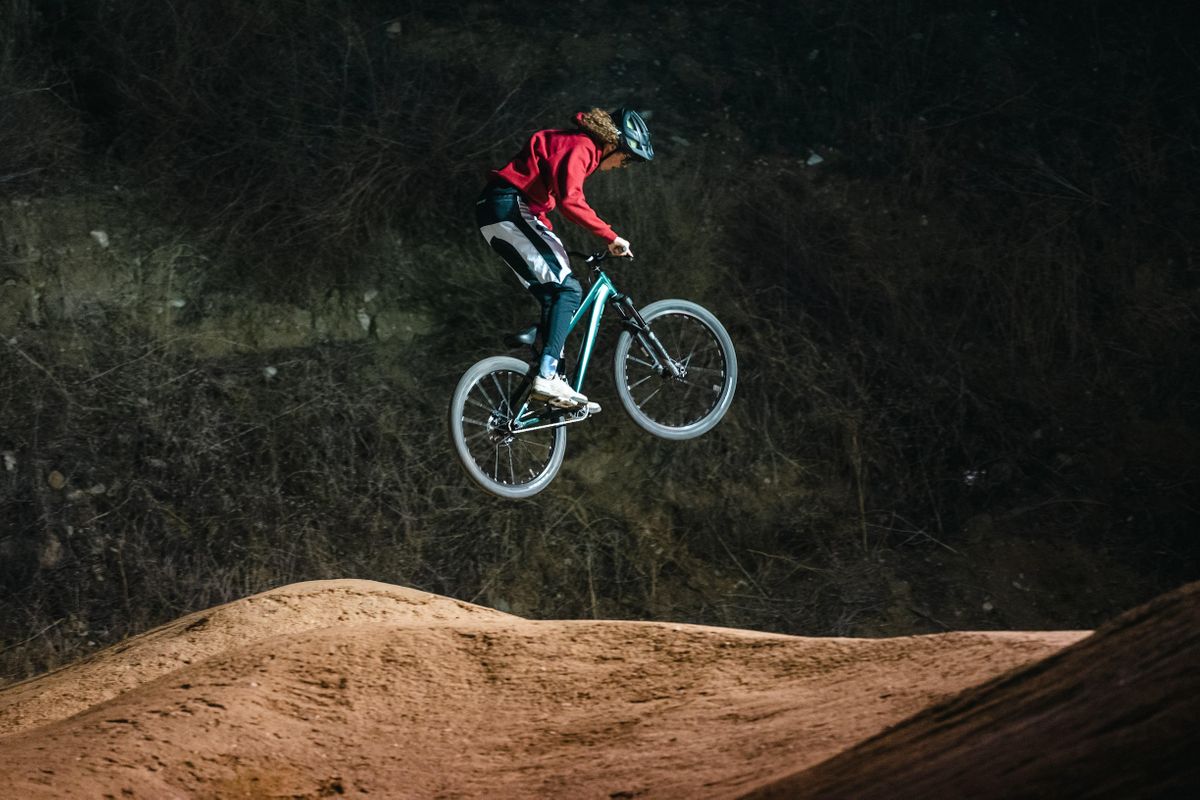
366 689
1117 715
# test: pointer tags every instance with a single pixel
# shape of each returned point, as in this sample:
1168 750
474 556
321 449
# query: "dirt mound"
350 687
289 609
1117 715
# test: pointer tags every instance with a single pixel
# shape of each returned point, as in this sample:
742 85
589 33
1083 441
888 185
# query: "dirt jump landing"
359 688
1117 715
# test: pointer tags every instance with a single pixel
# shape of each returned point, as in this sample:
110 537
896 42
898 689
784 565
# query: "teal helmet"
634 136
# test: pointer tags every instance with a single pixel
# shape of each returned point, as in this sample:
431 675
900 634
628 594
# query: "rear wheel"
678 381
508 464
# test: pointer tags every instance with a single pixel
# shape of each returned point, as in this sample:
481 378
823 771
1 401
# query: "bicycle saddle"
526 337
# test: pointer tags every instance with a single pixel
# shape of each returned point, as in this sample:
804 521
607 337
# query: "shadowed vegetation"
954 244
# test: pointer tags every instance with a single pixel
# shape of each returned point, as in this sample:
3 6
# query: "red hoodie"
550 170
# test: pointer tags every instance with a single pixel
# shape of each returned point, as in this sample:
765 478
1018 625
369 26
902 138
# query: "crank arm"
573 417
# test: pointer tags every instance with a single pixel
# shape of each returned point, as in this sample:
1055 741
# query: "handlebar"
596 257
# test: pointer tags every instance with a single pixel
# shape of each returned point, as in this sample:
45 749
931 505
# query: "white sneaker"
557 392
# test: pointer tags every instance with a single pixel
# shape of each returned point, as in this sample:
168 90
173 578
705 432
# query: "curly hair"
599 124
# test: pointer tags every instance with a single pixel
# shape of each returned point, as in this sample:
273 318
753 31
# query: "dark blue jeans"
559 303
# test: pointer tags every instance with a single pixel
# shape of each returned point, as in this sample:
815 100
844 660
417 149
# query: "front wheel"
508 463
676 378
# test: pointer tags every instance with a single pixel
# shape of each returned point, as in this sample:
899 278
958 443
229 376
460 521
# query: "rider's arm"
570 173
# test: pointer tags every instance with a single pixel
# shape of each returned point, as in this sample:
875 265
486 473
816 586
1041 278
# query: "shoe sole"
557 402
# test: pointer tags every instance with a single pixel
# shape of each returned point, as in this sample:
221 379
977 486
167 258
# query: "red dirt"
360 688
1117 715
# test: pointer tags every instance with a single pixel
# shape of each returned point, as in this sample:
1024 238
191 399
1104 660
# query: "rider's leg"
540 262
529 248
559 303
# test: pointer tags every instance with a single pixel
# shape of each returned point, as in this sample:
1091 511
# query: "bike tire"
529 461
686 409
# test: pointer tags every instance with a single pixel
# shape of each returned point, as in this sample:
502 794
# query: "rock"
51 552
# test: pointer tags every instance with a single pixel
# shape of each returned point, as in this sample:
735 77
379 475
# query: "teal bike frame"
597 297
601 293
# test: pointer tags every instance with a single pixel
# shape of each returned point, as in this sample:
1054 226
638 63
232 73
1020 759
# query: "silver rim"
688 405
508 464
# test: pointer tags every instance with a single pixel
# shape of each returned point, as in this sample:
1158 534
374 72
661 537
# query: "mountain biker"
548 173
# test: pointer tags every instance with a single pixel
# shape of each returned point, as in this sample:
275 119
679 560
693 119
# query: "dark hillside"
956 246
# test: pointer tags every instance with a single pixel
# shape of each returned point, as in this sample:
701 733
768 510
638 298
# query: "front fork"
632 321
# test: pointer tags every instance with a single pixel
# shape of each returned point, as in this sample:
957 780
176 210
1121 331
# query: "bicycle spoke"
474 438
508 392
670 337
485 409
677 338
673 334
650 397
505 393
639 361
636 384
527 442
487 397
700 349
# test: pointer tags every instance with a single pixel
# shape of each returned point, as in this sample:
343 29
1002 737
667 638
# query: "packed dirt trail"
359 688
1117 715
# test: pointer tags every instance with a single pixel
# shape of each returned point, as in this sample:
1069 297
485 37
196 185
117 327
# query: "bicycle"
675 370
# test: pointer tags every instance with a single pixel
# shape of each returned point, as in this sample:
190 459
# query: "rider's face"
614 160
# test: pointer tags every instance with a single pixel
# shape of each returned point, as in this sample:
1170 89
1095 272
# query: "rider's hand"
620 247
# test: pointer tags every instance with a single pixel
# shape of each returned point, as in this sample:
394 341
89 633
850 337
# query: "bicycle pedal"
580 413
